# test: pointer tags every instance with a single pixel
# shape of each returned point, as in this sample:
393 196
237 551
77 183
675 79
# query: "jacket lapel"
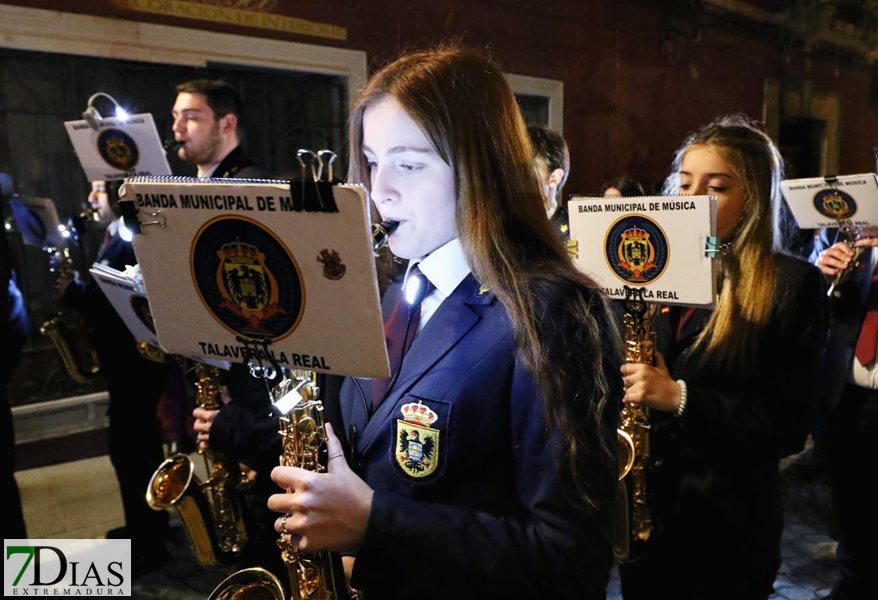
454 318
231 164
694 324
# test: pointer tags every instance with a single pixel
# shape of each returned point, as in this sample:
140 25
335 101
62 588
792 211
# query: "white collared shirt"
207 172
113 227
446 268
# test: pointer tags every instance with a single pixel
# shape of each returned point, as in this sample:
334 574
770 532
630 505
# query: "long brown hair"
749 268
563 329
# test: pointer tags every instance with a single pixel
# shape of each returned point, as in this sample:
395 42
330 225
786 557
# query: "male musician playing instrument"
208 120
134 385
849 394
552 164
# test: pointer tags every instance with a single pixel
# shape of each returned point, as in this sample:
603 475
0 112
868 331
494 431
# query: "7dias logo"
67 568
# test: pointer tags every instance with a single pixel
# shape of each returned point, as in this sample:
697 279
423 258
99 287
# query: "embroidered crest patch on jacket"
417 449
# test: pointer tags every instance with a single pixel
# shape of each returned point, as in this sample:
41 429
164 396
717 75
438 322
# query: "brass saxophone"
634 517
210 510
317 576
381 233
254 583
853 233
312 576
67 329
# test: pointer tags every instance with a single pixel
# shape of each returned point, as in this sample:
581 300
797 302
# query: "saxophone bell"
254 583
71 337
175 486
211 510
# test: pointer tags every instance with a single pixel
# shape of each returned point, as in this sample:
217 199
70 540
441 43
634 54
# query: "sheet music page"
657 243
119 148
818 202
129 299
235 261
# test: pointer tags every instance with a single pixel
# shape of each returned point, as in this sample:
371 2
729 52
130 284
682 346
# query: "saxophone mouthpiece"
171 146
381 233
89 214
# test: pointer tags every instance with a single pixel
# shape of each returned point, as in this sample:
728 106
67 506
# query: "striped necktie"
400 330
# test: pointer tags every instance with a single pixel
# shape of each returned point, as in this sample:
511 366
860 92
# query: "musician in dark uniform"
14 331
734 388
849 405
134 384
621 187
209 122
552 162
487 463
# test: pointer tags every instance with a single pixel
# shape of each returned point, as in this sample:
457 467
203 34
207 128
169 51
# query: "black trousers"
13 520
850 443
136 451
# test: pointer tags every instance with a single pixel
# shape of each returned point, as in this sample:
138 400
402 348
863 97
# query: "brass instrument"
150 352
312 576
381 233
634 517
317 576
210 510
853 233
249 584
67 329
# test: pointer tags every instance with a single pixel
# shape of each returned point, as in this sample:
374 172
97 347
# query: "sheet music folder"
829 201
240 270
127 296
120 148
664 245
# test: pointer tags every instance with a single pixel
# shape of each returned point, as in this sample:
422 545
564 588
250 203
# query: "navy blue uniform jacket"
716 496
847 314
486 517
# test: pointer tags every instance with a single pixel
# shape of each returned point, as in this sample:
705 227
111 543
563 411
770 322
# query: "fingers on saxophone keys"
281 524
286 531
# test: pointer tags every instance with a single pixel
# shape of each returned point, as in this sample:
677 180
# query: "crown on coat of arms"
418 414
635 233
834 200
239 252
